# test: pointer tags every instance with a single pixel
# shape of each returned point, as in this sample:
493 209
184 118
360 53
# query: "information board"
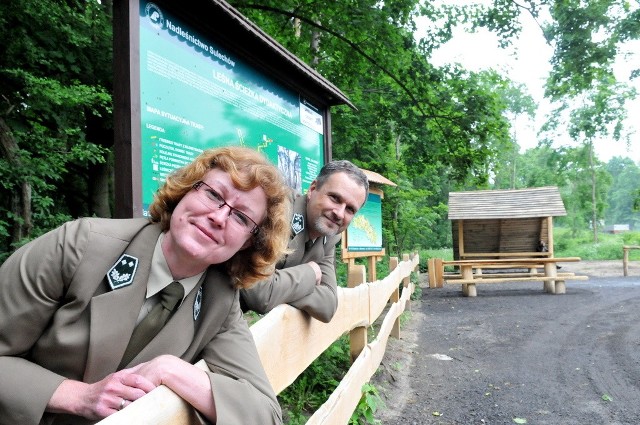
365 231
194 95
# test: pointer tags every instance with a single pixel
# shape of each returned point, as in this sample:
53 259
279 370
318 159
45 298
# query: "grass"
608 247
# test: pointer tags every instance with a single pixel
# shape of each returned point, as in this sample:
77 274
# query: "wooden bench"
553 281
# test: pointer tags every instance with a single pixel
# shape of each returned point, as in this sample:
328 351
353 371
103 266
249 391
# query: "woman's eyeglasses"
214 200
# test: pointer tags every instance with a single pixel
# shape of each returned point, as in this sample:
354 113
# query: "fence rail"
287 335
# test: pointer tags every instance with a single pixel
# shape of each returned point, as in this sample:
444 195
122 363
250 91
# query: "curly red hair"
248 169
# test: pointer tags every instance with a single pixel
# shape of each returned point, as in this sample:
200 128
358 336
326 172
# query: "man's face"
331 207
202 234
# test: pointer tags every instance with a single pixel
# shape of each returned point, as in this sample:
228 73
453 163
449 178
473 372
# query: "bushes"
608 247
314 386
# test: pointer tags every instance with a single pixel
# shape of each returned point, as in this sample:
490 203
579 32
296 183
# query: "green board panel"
365 230
195 96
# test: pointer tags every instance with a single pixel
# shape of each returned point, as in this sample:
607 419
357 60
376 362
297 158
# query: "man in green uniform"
306 277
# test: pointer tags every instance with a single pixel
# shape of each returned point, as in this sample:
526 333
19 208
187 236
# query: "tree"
625 184
597 116
55 115
415 124
518 105
585 203
431 129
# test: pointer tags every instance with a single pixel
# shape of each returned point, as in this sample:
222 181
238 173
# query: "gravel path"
515 353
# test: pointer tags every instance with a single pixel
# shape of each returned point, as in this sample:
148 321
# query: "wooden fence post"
395 297
358 335
625 260
406 281
431 272
438 272
373 274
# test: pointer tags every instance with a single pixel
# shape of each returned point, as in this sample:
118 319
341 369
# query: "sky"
527 62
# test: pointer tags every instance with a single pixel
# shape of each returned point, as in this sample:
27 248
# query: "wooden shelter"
504 223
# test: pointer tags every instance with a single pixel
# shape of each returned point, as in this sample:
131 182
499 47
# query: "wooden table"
471 273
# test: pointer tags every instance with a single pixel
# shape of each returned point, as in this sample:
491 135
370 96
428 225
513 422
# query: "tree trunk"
315 47
99 190
594 206
514 157
21 199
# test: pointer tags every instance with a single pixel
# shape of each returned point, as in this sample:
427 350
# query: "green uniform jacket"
59 318
294 282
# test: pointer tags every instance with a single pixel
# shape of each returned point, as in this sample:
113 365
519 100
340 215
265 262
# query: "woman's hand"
186 380
101 399
156 370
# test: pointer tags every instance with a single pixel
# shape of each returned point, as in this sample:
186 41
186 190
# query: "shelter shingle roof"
374 177
514 203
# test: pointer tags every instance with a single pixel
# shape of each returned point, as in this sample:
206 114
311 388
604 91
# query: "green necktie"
170 297
308 245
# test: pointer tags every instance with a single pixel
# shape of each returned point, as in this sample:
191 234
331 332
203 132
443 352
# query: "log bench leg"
560 287
469 290
550 287
550 271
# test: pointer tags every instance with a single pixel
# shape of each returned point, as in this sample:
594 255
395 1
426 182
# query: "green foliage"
608 247
625 175
369 403
425 254
429 130
55 112
312 388
417 291
631 238
423 128
585 36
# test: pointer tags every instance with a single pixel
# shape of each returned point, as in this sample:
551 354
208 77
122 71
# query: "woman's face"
213 222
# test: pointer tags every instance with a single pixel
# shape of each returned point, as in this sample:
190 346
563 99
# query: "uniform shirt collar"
160 275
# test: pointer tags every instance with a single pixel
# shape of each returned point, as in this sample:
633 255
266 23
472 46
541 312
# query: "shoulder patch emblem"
122 272
197 304
297 223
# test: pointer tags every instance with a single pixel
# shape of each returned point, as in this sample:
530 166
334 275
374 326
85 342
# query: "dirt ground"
515 354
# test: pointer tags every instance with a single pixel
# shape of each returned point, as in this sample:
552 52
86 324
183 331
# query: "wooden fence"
287 335
625 258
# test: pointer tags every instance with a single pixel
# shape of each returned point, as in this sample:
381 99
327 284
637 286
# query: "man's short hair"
343 166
